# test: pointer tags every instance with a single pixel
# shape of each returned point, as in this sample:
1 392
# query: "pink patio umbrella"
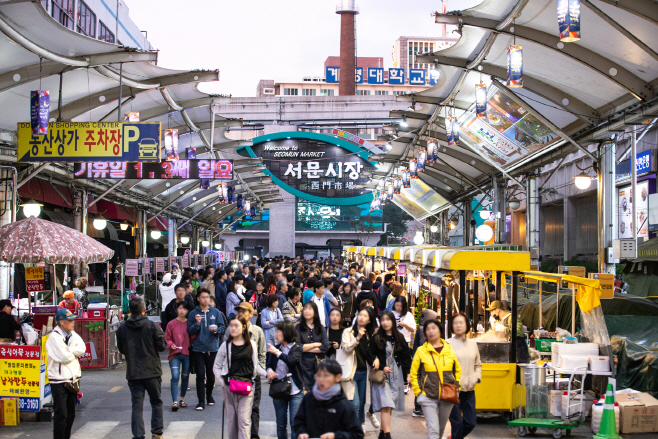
34 240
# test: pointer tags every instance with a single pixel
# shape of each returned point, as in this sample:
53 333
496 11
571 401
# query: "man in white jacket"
64 347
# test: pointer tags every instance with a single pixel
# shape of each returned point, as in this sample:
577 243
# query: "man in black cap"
8 323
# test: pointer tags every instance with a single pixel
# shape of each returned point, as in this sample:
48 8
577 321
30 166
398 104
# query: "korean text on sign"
85 141
313 170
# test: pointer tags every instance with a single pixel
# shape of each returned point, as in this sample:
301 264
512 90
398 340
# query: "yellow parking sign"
91 141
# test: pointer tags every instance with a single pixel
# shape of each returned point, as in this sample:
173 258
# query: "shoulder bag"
281 388
449 392
378 376
347 363
236 386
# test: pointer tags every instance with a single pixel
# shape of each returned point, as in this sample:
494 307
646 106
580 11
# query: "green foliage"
619 268
364 227
94 326
548 267
396 220
421 304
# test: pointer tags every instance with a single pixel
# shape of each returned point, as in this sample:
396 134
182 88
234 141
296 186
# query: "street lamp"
124 225
156 234
453 222
218 246
485 214
205 243
418 239
31 208
246 257
514 203
434 229
583 181
184 240
100 223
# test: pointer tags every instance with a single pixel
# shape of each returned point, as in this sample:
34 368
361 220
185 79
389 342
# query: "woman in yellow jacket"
435 363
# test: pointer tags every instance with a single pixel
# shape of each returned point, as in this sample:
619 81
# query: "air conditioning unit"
624 248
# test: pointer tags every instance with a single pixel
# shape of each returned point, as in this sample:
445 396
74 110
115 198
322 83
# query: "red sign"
90 353
159 265
20 353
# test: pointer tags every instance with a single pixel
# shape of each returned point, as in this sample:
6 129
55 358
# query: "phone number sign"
20 375
34 279
91 141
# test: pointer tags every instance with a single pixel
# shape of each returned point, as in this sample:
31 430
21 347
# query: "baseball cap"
246 306
166 278
69 294
64 314
6 302
496 304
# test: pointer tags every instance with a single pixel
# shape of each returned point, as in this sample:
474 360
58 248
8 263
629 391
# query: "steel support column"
498 209
140 234
532 219
467 238
172 237
605 205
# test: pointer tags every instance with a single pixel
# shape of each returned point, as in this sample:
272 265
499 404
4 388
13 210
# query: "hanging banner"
90 141
568 20
176 170
39 112
171 144
514 66
34 279
481 100
132 267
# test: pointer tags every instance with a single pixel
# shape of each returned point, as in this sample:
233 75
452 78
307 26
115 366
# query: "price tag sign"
34 279
172 261
159 265
132 267
147 266
186 260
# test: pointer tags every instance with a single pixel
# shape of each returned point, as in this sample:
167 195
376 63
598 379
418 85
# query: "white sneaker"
364 428
373 420
406 389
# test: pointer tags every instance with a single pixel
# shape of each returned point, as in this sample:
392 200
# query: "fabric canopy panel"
34 240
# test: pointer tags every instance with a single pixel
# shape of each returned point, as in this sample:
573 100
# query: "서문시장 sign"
90 141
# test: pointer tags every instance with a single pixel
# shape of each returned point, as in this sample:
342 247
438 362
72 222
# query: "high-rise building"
405 50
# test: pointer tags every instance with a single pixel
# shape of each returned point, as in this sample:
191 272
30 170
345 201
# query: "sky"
250 40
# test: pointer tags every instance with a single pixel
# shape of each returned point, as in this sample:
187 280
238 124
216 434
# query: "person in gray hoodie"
206 326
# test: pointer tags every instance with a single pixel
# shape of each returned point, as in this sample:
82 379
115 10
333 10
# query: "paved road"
105 413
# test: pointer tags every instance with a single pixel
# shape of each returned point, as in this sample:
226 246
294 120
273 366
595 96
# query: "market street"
105 413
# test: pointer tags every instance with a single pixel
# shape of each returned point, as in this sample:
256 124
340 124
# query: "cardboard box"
9 411
638 413
607 282
572 271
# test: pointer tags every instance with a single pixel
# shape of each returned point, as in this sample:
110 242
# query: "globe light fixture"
418 239
485 214
514 203
582 181
156 234
205 243
185 240
246 257
124 225
100 223
484 233
31 208
453 222
218 246
434 229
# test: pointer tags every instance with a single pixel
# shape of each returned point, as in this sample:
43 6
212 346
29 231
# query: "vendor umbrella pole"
541 315
573 310
107 310
514 316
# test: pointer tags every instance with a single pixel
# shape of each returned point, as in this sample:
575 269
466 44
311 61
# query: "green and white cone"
608 428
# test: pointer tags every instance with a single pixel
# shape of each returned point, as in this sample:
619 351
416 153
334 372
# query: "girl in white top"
167 286
405 319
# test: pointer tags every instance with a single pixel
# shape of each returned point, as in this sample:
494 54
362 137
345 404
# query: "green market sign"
316 167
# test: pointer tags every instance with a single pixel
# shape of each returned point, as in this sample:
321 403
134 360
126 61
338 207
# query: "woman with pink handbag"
236 366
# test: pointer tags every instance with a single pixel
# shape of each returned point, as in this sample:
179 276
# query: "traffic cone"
608 427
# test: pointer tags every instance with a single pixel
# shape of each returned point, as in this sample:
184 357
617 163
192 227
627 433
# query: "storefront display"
625 211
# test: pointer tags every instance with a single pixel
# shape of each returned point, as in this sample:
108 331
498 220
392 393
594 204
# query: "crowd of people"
323 332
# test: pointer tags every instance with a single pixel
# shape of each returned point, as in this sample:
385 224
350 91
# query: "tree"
364 227
396 220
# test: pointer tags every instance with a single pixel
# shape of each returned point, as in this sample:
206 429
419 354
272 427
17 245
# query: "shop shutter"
586 225
552 239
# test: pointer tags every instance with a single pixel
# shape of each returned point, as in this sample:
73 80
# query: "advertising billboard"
625 211
175 170
90 141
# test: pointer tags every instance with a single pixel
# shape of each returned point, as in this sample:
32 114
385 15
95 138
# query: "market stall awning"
468 260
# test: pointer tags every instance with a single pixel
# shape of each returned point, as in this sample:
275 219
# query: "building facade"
405 50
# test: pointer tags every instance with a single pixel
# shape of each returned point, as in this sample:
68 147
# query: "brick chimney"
347 10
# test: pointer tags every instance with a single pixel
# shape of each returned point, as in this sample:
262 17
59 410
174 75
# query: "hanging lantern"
222 191
514 66
432 149
191 153
375 205
133 116
230 197
239 202
422 159
382 198
247 206
39 112
390 191
481 100
406 179
568 20
455 131
396 185
413 168
449 134
253 212
205 183
171 144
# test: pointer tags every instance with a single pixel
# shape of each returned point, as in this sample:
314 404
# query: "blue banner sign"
358 75
375 75
396 76
644 164
417 76
332 75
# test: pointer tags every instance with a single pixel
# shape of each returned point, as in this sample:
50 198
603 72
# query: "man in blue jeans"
140 340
